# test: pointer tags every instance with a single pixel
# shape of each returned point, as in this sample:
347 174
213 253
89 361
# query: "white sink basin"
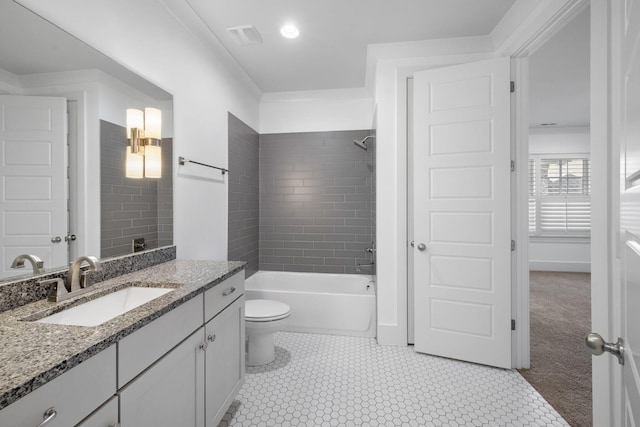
99 310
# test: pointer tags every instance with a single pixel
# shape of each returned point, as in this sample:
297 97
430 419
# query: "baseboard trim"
391 335
569 267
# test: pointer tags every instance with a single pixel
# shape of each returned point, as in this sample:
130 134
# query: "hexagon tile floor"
326 380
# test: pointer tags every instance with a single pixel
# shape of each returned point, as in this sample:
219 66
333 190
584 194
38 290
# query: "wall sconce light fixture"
144 153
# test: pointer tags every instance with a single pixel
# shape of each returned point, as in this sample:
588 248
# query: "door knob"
597 345
56 239
413 244
422 247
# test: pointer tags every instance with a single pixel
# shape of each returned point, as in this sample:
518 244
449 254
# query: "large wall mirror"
65 187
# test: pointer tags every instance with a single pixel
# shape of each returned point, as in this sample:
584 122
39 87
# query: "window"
559 195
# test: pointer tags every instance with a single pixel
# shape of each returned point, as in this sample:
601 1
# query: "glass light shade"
134 164
135 119
152 161
152 123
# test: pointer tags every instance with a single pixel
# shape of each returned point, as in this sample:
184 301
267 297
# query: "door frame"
606 379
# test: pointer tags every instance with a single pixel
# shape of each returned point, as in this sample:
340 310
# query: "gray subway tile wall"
129 208
372 170
244 194
315 202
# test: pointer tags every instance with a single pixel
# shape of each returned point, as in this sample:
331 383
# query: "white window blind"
559 195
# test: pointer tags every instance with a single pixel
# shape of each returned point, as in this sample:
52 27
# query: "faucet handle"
58 291
85 279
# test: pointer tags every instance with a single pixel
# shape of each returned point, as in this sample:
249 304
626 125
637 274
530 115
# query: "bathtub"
336 304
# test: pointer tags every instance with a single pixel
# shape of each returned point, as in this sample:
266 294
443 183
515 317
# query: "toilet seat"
265 310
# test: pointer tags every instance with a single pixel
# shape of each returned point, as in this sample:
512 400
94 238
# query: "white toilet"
262 318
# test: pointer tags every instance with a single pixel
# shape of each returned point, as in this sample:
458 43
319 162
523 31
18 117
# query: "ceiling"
559 74
31 45
331 50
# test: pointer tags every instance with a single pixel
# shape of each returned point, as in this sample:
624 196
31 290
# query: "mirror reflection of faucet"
77 281
36 263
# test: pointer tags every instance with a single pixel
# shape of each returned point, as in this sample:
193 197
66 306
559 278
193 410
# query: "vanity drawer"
73 395
138 351
223 294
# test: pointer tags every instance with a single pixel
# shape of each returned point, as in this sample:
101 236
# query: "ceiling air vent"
245 35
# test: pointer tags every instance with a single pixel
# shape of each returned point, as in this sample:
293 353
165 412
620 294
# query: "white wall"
206 83
9 83
559 140
553 254
557 253
316 111
116 97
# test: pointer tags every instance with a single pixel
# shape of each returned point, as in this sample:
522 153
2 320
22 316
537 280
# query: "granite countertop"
31 354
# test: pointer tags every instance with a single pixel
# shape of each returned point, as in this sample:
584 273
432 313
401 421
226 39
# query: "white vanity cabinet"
224 368
105 416
193 384
170 392
182 369
69 398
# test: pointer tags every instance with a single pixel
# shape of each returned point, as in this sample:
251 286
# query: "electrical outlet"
138 244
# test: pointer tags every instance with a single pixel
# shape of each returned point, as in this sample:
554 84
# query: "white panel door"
462 254
33 180
629 213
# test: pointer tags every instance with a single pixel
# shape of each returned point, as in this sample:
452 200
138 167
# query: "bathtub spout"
369 264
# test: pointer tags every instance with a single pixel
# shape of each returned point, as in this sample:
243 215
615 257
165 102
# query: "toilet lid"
265 310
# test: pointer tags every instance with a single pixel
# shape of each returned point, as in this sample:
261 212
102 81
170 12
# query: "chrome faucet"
37 263
76 283
76 279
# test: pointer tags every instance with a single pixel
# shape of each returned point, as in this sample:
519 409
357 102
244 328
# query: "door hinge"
513 245
513 87
513 165
513 324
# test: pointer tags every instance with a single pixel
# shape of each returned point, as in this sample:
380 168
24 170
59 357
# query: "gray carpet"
560 365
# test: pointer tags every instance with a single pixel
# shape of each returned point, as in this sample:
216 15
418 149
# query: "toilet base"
260 349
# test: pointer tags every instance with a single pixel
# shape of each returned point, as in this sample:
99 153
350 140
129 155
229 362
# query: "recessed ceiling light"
290 31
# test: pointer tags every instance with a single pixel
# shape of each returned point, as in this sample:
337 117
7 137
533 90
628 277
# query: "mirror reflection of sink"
100 310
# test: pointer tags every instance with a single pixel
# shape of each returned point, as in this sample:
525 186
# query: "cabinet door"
170 392
106 416
225 360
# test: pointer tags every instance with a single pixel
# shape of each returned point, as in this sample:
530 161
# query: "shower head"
362 143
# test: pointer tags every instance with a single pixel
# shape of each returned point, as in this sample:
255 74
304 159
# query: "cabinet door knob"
228 292
48 416
204 346
211 338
